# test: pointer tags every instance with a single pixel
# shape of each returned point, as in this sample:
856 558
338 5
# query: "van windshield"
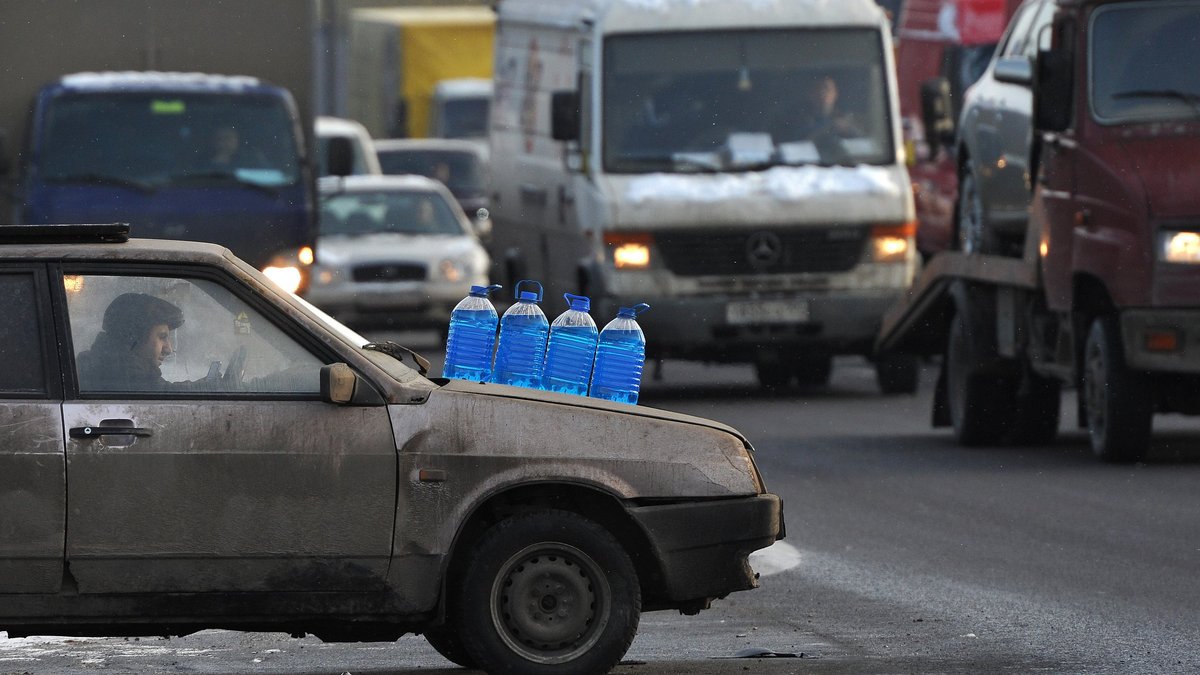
1143 61
730 100
152 140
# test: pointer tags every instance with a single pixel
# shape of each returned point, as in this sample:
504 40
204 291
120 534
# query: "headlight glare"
1180 247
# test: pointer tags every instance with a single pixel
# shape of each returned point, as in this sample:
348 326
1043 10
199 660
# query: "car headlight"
456 269
290 269
890 243
630 250
1179 247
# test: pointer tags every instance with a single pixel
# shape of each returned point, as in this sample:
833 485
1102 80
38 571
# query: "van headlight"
630 250
1179 247
891 243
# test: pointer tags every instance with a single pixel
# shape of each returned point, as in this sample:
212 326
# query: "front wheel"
547 592
1119 407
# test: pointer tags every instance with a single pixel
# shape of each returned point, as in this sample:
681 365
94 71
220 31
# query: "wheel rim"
1095 389
970 221
550 602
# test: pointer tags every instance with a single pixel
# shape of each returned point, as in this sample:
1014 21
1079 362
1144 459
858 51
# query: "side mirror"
937 112
341 385
1014 70
564 115
339 156
1052 91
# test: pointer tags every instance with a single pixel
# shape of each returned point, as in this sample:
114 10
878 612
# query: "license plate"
766 311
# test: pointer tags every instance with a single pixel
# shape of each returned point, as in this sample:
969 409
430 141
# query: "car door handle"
97 432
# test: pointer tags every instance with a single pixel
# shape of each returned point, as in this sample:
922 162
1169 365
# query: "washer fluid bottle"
471 337
521 352
571 349
617 375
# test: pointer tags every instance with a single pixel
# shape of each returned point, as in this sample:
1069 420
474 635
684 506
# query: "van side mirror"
1052 91
341 385
937 112
564 115
339 156
1014 70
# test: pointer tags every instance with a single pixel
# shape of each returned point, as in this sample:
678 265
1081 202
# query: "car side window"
141 334
1039 35
23 371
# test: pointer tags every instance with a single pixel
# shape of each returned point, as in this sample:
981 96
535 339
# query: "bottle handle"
517 288
491 289
639 308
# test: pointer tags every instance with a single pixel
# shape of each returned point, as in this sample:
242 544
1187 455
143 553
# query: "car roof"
459 144
110 242
369 183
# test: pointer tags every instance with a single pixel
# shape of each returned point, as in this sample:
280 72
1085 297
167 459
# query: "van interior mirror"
564 115
339 156
1015 70
1052 92
937 112
341 385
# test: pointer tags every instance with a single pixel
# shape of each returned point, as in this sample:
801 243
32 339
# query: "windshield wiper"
397 351
1189 98
223 177
102 179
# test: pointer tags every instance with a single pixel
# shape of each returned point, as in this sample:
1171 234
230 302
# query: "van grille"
819 250
390 272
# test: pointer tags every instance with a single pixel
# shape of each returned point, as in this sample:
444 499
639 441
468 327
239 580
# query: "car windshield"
723 100
465 118
1142 61
458 169
357 214
157 139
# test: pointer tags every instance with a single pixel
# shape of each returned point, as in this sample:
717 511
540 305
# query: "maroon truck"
1106 295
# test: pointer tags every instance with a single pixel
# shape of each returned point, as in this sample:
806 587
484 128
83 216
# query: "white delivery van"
736 164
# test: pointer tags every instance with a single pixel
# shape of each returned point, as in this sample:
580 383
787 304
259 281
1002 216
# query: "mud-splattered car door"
206 459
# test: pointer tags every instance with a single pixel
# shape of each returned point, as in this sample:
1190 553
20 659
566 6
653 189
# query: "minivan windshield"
151 140
745 99
1143 61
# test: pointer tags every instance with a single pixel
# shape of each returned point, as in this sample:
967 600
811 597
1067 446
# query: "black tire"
772 374
979 388
447 643
898 373
970 226
812 370
583 599
1120 409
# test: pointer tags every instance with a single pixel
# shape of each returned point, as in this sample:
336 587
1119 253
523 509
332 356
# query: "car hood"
339 250
1166 167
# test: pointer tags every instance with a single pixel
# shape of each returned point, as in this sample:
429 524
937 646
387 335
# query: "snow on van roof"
643 15
130 79
785 183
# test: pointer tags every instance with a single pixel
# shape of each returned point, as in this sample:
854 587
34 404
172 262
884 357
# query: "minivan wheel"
972 235
979 392
547 592
1120 410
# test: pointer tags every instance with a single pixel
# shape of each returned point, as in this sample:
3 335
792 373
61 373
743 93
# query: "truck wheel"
447 643
812 370
1035 418
978 392
973 236
1120 410
898 373
547 592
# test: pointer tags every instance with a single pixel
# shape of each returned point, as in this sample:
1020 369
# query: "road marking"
778 557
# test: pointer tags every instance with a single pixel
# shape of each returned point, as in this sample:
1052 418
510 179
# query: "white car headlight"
1179 247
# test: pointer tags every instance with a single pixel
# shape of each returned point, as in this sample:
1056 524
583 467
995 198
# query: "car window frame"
50 337
67 352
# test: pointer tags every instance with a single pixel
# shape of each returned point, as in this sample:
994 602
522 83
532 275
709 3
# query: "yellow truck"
399 58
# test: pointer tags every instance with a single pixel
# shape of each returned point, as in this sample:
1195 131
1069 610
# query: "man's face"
156 346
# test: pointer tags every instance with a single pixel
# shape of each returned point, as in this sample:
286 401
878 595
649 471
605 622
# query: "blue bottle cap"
580 303
632 312
528 296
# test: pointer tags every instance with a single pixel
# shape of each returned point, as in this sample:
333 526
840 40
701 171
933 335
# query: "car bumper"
1146 335
397 305
702 547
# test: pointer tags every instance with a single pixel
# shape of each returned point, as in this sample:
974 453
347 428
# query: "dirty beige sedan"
184 446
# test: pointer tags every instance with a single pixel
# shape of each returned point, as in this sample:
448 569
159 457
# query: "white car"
393 250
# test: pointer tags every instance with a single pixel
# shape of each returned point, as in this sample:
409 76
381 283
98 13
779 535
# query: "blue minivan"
213 158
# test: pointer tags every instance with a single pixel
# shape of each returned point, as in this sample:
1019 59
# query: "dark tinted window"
23 371
460 171
1143 61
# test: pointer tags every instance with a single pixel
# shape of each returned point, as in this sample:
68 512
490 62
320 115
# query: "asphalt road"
904 554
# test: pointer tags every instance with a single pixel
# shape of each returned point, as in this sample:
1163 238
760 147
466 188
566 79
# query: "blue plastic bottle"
521 352
472 336
571 349
617 375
